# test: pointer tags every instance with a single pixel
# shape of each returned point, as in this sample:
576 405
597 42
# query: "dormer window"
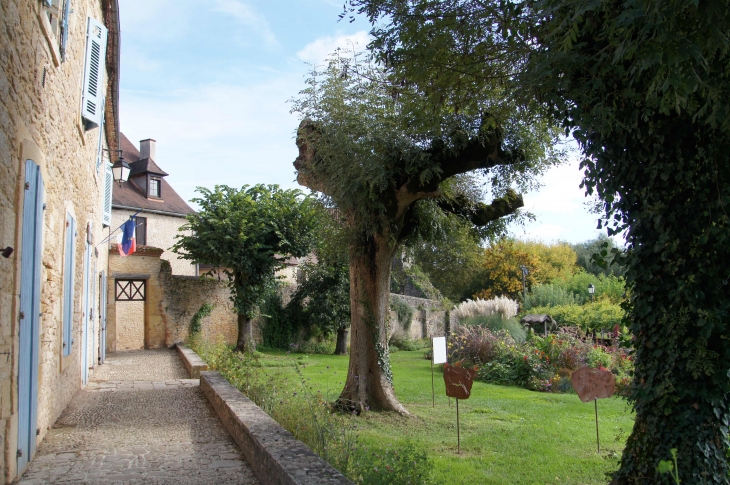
153 191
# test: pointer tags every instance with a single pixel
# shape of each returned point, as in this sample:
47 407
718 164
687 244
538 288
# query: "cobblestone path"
140 420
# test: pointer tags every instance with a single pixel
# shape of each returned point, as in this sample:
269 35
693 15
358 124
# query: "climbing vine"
198 317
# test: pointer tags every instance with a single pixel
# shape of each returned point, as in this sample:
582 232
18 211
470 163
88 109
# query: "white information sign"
439 350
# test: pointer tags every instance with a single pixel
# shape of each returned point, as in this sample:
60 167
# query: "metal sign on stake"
592 385
438 356
458 382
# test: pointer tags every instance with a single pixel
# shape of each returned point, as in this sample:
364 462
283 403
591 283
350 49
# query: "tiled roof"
129 151
130 195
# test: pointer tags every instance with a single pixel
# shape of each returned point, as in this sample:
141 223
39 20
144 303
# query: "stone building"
135 319
159 210
59 94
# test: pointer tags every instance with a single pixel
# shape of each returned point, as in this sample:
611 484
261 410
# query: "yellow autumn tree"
501 273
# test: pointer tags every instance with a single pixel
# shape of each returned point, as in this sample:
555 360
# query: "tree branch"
482 214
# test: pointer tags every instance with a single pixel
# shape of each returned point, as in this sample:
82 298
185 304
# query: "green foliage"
405 464
610 288
198 317
666 466
452 259
322 298
412 281
279 329
496 323
643 85
586 252
247 234
550 295
399 341
403 311
589 317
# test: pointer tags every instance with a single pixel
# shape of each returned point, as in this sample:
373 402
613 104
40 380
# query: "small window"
58 13
154 187
141 231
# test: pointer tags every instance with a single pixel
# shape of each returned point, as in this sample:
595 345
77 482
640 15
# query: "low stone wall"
192 362
274 454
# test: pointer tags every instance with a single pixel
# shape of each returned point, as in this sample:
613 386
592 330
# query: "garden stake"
598 442
458 435
433 388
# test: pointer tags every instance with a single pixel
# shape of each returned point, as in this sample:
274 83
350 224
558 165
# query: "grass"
509 435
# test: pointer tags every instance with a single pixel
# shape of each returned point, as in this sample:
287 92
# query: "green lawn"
508 435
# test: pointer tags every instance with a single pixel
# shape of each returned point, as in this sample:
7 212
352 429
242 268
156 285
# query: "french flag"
129 238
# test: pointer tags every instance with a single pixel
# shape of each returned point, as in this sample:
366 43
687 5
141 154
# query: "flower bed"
541 363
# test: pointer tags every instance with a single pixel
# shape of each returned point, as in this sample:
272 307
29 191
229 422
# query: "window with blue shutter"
69 265
100 147
66 12
93 88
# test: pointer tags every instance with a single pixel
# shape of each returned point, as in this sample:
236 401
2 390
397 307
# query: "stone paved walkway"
145 422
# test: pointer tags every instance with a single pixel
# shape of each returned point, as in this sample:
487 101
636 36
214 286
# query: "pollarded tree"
390 169
248 234
644 87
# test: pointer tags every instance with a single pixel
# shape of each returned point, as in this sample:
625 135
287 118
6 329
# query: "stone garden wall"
428 318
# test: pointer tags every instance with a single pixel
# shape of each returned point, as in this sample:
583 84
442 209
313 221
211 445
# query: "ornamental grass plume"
475 308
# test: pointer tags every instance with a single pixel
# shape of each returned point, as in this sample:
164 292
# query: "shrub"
598 357
406 464
402 342
475 308
550 295
497 323
474 345
589 317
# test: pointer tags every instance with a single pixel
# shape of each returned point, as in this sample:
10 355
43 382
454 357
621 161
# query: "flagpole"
115 230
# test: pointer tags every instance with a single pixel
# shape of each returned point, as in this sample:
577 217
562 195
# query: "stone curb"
193 363
275 455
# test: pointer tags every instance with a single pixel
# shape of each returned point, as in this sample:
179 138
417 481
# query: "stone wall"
130 325
172 300
144 264
40 99
428 318
161 232
185 295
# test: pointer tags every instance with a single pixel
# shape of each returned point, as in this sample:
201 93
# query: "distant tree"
589 251
322 297
247 234
452 260
385 164
500 267
322 300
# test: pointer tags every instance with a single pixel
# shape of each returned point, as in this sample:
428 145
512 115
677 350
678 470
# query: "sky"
210 81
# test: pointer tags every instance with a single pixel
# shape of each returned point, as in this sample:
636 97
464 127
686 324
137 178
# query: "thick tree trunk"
341 347
245 334
369 383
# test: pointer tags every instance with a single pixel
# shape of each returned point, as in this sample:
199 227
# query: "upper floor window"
154 188
58 13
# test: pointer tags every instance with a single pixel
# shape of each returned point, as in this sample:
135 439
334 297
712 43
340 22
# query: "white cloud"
217 134
247 16
316 52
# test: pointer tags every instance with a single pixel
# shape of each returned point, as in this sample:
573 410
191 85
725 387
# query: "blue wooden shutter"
29 318
100 148
68 283
93 88
64 28
106 213
102 317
